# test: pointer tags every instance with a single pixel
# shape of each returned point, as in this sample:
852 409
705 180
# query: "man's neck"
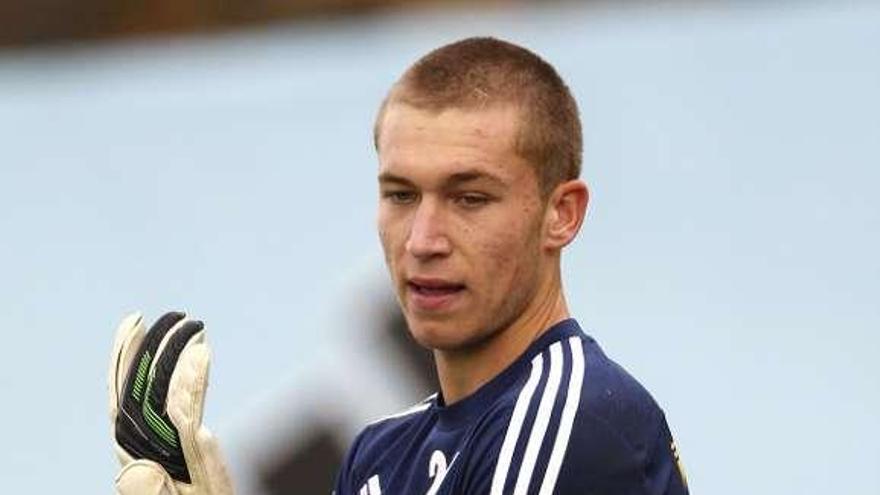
461 373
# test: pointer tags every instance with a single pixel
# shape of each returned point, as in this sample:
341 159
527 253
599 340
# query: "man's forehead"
449 145
498 123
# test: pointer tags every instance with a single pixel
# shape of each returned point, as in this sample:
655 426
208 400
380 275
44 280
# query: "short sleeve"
605 465
664 473
345 476
603 462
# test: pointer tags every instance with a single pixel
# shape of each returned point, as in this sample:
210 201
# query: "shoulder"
620 441
613 400
573 388
376 438
385 430
524 438
402 419
577 418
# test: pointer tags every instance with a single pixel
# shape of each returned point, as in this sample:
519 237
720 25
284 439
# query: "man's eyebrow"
389 178
460 178
456 179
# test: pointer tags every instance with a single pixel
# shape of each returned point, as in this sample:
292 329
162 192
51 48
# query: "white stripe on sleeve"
513 428
539 429
373 484
569 411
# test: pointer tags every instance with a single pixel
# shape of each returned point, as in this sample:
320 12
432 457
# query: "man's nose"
427 236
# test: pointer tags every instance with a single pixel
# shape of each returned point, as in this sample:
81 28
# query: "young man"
479 148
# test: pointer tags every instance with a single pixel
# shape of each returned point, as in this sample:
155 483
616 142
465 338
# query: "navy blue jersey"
562 419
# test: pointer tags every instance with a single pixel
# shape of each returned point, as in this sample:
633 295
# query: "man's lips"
431 294
433 286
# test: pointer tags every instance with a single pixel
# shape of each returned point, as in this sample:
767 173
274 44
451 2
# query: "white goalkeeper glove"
157 385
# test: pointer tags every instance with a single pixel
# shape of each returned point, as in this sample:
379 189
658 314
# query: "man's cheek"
388 251
498 261
503 245
385 238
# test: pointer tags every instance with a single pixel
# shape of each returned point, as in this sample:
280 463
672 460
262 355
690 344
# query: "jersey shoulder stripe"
542 421
505 457
421 406
569 410
539 428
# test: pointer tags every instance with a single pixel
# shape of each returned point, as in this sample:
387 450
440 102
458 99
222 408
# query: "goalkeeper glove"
157 385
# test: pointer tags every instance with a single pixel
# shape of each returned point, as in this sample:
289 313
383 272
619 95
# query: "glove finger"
215 469
185 406
143 477
138 372
129 335
167 359
186 402
163 433
142 429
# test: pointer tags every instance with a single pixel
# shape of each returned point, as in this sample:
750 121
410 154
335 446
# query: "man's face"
460 217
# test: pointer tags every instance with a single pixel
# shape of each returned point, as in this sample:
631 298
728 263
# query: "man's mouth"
435 288
433 294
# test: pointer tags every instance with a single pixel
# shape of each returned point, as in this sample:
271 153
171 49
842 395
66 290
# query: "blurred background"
216 157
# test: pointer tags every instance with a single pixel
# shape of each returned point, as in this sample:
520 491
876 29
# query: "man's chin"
433 333
444 336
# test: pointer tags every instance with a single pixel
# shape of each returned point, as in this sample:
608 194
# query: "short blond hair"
481 72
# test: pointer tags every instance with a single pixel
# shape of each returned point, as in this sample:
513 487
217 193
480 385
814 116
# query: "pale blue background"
730 258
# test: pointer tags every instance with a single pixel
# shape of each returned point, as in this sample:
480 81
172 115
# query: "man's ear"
566 209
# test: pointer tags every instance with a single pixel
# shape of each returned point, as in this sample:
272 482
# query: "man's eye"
400 197
472 200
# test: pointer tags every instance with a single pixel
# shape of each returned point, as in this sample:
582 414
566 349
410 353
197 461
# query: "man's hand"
157 385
